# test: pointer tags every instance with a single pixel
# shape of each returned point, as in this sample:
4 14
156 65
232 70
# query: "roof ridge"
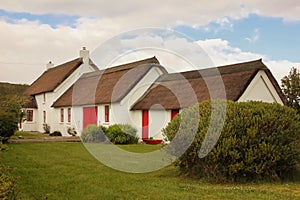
211 71
121 67
65 63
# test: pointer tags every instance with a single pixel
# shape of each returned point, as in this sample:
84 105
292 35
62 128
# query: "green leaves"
259 141
291 88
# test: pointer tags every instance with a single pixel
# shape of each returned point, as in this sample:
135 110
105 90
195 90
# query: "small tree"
291 88
8 124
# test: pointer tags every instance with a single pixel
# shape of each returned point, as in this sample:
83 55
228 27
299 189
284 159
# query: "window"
106 113
44 117
69 115
29 115
62 115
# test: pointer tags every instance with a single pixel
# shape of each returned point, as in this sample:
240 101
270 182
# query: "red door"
90 116
145 124
174 113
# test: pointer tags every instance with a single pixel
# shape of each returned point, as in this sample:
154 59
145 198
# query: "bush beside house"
258 142
122 134
117 134
93 134
8 125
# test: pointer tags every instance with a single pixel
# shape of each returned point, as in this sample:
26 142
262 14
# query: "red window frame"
62 115
106 113
29 115
69 115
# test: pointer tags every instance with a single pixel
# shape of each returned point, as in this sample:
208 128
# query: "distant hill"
12 89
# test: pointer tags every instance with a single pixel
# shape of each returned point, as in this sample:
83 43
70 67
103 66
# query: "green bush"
8 125
122 134
258 142
56 133
94 133
7 184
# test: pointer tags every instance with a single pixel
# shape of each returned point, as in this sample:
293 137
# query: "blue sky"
233 31
54 20
263 35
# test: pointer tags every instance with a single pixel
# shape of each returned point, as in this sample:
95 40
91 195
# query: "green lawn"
67 171
28 135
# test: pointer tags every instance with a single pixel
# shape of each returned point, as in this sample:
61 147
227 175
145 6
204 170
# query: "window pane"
106 113
62 115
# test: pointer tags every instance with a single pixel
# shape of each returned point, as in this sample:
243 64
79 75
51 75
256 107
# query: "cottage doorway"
145 124
90 116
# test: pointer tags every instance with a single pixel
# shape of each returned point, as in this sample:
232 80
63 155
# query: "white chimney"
84 53
49 65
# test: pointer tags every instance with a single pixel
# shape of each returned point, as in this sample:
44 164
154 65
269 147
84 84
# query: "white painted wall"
53 114
261 89
158 119
120 111
30 126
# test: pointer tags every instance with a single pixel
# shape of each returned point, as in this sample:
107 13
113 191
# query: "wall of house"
30 126
53 114
119 112
261 89
158 119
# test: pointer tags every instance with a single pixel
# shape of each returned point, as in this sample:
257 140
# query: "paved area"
47 139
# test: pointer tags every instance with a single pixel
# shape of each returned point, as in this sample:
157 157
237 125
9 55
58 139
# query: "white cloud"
254 37
222 53
28 45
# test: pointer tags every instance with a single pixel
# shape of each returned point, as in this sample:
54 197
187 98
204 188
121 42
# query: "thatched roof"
53 77
179 90
31 103
106 86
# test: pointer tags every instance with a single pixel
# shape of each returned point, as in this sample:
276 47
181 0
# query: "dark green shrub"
56 133
122 134
8 125
93 133
258 142
7 184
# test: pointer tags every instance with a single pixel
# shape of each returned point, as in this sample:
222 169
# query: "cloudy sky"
35 32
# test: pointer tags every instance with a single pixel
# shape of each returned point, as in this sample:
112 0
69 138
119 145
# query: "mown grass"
28 135
68 171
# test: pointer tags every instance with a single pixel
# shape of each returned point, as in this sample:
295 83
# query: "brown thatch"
106 86
179 90
53 77
31 103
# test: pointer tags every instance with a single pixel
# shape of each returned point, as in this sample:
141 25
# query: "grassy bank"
68 171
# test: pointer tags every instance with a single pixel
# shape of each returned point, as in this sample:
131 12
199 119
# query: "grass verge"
67 171
28 135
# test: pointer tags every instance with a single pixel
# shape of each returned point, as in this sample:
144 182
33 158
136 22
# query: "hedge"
259 141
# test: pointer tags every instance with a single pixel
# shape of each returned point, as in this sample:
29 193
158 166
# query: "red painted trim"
69 114
145 124
106 113
29 115
90 116
174 113
62 115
